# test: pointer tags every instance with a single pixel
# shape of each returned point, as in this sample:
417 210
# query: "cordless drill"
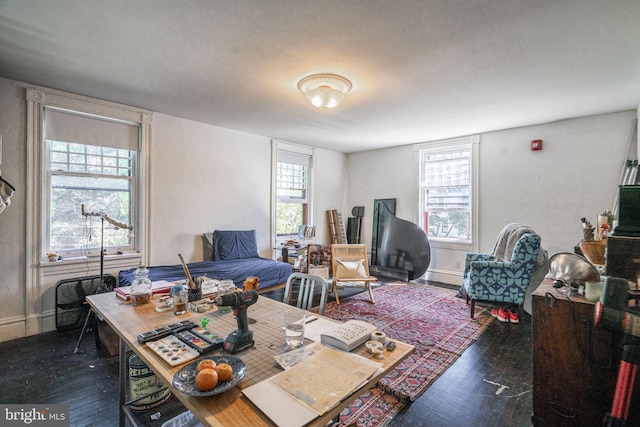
242 338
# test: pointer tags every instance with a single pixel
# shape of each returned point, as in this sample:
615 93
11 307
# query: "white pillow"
350 269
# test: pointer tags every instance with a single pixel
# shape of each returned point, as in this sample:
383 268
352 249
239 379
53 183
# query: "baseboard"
21 326
444 276
12 328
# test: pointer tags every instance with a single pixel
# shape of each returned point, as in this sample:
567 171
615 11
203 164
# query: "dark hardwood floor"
489 385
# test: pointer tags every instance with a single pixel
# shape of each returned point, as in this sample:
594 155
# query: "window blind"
293 158
81 129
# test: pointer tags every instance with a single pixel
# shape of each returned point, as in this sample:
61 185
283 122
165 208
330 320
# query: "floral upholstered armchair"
488 280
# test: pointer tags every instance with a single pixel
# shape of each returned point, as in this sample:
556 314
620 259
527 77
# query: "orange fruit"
207 379
225 371
206 364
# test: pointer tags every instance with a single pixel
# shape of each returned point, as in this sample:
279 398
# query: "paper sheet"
312 330
293 357
282 408
322 381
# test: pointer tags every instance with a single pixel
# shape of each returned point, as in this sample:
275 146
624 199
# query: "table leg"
122 377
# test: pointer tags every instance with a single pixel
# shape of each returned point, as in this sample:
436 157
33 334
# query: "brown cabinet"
574 364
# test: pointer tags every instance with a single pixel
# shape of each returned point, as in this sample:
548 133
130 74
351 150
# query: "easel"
102 287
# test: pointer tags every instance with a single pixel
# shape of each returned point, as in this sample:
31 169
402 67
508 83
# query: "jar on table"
225 287
141 287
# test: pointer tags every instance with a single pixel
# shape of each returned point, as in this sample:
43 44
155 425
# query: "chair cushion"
504 281
351 269
234 244
207 246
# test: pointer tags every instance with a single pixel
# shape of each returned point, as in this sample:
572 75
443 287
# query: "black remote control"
165 331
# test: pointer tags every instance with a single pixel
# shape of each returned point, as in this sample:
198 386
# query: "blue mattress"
270 272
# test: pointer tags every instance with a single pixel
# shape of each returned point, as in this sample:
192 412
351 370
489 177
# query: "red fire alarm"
536 145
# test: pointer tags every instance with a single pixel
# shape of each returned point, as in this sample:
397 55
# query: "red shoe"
500 314
513 316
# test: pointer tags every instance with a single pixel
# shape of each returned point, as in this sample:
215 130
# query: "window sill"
44 263
450 244
85 264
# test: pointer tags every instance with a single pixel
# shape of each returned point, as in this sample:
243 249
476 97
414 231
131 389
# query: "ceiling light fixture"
324 90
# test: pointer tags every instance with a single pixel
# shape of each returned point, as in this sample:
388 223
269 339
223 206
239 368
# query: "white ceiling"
421 69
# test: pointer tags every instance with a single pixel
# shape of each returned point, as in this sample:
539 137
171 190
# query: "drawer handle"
563 410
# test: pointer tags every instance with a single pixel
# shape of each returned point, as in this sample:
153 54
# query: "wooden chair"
308 285
349 263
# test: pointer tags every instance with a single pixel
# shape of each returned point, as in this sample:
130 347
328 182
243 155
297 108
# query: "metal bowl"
572 269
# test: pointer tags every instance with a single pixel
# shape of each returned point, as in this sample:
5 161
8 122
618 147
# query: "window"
446 197
85 154
101 178
91 163
292 178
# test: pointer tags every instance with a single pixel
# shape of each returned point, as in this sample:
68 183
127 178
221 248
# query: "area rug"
432 319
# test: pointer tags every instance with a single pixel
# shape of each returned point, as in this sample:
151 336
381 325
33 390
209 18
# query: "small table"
284 250
231 408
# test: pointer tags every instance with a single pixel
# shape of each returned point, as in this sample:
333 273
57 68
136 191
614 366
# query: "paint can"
145 389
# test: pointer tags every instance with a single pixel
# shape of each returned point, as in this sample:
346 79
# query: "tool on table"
242 338
251 283
186 271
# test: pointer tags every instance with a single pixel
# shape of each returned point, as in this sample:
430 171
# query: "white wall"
382 174
331 178
205 178
574 176
12 220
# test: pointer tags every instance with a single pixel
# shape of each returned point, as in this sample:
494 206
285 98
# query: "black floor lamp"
101 285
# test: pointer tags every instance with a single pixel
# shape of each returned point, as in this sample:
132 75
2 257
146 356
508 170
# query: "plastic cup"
593 290
180 302
294 327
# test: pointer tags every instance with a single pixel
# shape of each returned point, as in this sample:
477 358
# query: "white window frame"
311 176
37 177
92 248
472 143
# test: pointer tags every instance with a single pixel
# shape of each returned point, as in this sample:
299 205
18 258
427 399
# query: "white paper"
323 380
293 357
312 330
161 284
282 408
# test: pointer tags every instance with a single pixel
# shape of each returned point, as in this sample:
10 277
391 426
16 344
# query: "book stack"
158 287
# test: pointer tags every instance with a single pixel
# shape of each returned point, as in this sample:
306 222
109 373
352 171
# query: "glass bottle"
141 287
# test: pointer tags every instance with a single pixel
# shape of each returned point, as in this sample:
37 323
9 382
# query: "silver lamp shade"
573 270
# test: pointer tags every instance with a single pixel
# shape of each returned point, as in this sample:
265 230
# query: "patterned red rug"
433 319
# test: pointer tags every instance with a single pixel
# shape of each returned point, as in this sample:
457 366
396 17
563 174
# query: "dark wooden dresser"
575 365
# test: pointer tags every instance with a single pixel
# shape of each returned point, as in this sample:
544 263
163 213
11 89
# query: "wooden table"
231 408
